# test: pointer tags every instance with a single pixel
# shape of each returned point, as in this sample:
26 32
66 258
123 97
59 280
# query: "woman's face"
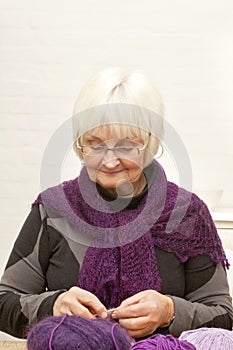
117 171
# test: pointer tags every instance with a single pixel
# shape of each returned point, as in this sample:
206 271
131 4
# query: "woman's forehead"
112 132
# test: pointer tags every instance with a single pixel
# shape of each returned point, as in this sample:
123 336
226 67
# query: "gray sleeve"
210 305
23 285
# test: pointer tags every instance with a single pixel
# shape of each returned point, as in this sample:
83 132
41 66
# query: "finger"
62 311
80 310
93 303
134 324
96 307
132 311
140 333
139 297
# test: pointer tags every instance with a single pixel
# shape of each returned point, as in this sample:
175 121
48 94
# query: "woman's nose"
110 160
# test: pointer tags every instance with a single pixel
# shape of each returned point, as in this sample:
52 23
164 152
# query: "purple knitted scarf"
120 260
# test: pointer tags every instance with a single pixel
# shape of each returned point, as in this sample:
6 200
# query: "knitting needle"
109 312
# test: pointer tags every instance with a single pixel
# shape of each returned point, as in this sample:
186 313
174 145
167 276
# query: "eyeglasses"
126 149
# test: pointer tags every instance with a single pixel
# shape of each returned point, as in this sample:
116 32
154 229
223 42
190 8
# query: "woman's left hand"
144 312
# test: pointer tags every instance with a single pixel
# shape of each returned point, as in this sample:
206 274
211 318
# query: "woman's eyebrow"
93 137
96 138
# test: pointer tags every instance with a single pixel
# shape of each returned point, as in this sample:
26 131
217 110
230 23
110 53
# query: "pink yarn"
209 338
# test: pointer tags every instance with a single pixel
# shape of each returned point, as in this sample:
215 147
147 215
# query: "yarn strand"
54 329
113 336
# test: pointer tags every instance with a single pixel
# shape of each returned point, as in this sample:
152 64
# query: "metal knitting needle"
110 311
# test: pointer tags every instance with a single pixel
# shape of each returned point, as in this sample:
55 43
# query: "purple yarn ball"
73 333
209 338
163 342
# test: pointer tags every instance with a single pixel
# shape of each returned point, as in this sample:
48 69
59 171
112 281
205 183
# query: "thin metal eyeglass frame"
139 149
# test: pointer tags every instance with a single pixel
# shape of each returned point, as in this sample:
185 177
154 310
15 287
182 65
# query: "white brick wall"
49 48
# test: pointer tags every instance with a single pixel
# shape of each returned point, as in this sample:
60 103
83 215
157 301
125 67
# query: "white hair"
119 97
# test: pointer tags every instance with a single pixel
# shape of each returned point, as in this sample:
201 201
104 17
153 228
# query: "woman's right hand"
79 302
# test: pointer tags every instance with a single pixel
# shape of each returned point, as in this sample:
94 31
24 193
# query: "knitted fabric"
209 338
120 260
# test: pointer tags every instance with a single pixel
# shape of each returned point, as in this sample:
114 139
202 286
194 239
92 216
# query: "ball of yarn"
209 338
73 332
163 342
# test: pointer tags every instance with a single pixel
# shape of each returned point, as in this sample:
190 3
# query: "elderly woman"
119 236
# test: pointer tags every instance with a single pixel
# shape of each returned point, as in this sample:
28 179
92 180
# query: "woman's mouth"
111 172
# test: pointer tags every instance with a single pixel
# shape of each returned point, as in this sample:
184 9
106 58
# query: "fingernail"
104 314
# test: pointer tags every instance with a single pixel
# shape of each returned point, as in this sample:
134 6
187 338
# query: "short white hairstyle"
119 97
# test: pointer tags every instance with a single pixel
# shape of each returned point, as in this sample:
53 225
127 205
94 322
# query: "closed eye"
98 147
124 148
126 143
